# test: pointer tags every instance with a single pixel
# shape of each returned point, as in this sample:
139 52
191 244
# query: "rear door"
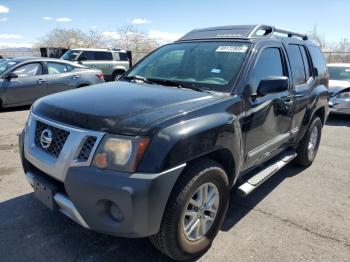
302 79
101 60
60 77
28 87
267 123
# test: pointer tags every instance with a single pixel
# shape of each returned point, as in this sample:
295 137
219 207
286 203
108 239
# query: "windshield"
71 55
5 65
206 65
339 73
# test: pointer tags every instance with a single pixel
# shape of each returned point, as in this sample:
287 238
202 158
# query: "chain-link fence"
136 56
337 57
20 53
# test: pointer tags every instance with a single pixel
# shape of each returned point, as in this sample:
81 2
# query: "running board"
256 180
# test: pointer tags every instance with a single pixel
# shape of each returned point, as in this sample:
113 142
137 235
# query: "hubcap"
117 77
313 142
201 211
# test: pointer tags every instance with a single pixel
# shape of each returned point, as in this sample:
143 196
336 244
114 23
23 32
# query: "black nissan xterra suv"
156 153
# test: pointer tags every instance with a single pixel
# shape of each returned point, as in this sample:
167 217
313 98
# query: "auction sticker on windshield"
232 49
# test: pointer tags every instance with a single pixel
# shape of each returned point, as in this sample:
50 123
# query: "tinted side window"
32 69
123 57
269 64
103 56
297 65
318 61
307 64
56 68
87 55
70 68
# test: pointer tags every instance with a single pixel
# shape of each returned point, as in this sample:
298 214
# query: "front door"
267 123
27 87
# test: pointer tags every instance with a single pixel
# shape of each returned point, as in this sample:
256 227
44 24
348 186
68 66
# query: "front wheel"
195 211
308 146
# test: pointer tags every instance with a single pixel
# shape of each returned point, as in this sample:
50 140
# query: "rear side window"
70 68
307 63
297 65
120 56
123 57
103 56
318 61
56 68
269 64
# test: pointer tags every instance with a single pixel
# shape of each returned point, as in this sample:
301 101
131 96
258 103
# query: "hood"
337 86
119 107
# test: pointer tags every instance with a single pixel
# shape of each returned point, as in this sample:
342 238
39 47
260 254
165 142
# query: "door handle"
40 81
75 77
287 100
288 103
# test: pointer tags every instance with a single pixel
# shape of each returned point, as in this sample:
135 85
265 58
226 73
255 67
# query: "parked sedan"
339 88
24 80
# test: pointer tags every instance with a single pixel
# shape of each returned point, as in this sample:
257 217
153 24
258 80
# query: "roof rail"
238 31
271 30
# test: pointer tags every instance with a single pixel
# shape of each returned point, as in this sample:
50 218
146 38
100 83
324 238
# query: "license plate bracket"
44 190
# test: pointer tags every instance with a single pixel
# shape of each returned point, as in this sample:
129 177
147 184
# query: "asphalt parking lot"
298 215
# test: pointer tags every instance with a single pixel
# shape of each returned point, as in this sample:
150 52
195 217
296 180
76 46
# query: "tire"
83 85
305 157
117 75
172 240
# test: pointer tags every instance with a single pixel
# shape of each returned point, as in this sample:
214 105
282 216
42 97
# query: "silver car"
24 80
339 88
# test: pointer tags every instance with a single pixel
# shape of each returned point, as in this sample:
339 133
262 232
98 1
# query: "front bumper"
92 197
339 106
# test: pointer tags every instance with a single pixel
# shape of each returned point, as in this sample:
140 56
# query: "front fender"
190 139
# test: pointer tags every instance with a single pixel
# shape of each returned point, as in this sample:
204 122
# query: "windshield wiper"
178 84
139 78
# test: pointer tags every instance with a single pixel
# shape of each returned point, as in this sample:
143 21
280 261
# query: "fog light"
116 212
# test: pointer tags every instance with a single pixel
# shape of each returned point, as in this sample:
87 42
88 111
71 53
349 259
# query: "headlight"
343 95
120 153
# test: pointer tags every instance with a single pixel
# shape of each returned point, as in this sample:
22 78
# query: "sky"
22 22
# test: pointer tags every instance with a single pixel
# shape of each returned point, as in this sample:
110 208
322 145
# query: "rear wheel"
83 85
117 74
308 146
195 211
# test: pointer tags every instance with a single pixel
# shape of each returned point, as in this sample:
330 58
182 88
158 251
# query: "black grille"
87 147
59 138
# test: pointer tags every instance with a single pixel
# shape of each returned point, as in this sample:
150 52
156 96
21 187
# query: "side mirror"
10 75
273 84
315 71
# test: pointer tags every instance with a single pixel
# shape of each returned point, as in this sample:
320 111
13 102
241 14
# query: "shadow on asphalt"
338 120
29 231
14 109
239 207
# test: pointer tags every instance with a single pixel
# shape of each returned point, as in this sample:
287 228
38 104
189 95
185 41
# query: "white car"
339 88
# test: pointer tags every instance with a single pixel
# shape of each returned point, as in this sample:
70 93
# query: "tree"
315 36
71 38
130 38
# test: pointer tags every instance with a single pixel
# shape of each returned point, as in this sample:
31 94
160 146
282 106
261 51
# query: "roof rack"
271 30
239 31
